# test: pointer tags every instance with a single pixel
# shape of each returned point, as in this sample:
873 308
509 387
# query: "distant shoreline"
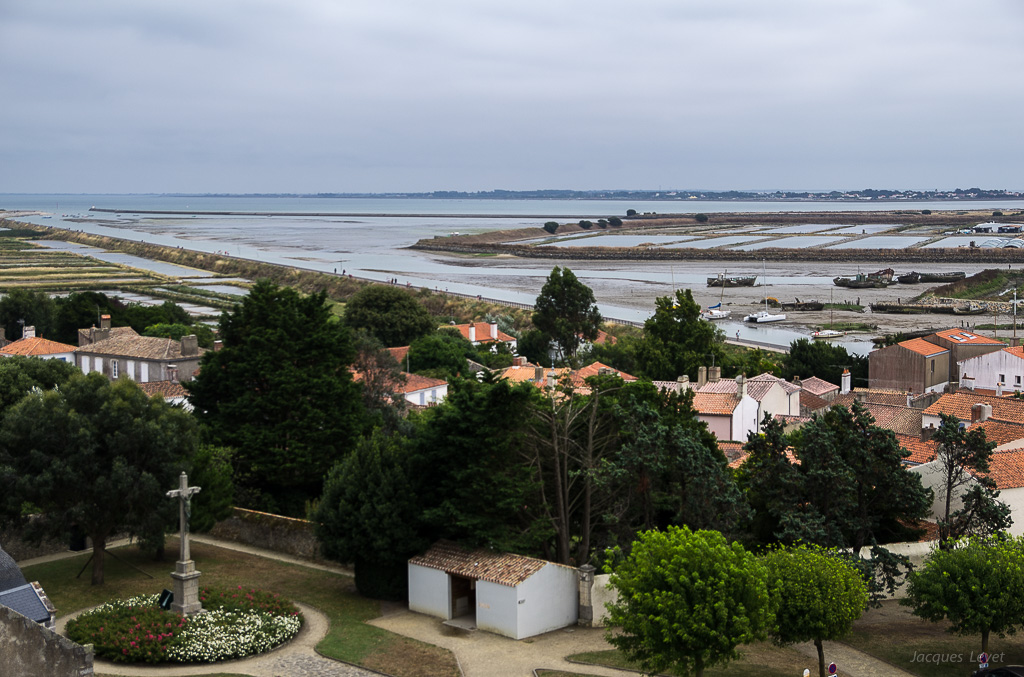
189 212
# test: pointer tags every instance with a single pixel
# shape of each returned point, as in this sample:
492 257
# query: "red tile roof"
922 347
483 332
605 337
903 420
959 405
812 401
1006 468
1016 351
594 369
817 386
965 337
1001 432
415 383
36 346
732 450
399 353
920 452
720 404
482 565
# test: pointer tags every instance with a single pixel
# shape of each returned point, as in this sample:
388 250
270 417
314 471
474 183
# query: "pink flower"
124 651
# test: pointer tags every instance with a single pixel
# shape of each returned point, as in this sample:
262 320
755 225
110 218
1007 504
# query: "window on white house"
113 369
1002 378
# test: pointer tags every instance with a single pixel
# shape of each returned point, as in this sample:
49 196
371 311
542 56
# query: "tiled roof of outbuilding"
165 389
482 565
721 404
817 386
1006 468
920 452
959 405
139 347
922 347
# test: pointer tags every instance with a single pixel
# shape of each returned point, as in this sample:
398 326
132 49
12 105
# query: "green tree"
79 310
104 460
380 380
977 585
212 471
441 354
20 375
676 341
686 600
566 312
823 359
466 460
280 393
700 218
771 481
391 314
551 227
614 221
819 595
21 308
370 515
964 454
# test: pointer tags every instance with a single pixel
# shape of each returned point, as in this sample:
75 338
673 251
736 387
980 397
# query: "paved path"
483 654
850 661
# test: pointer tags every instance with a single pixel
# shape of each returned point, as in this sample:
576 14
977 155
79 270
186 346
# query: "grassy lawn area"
894 635
349 639
762 659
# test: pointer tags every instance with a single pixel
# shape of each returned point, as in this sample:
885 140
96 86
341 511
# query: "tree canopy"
566 312
819 595
963 456
280 392
391 314
676 341
825 360
977 585
20 375
686 600
104 460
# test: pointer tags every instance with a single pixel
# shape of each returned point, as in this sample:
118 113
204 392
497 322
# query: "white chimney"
741 387
702 376
472 332
28 332
845 382
967 382
494 330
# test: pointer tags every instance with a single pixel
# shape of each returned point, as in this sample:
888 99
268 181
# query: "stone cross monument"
186 578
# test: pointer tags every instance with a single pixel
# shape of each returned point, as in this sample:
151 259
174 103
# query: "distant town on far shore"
874 194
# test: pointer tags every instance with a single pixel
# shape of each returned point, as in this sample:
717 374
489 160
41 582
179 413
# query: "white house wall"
548 600
721 426
985 370
931 478
497 609
1014 498
429 592
744 419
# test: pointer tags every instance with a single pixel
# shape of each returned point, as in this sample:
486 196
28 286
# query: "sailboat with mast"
764 315
830 332
715 312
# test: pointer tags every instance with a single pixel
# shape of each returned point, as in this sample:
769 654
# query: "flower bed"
235 623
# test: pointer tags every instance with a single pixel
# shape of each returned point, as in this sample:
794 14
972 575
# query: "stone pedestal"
186 589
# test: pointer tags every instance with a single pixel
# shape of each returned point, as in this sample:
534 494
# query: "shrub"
237 623
615 222
584 224
551 226
997 213
602 223
926 211
701 218
630 212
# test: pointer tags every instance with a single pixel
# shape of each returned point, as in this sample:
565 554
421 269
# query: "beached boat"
942 277
909 278
803 306
715 312
970 309
723 281
880 278
827 334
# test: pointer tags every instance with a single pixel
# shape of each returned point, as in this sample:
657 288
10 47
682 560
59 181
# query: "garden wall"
27 649
19 550
273 532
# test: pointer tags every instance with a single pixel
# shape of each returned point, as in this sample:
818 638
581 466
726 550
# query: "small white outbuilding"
506 594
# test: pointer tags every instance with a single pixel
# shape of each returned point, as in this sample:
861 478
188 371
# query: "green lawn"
894 635
349 639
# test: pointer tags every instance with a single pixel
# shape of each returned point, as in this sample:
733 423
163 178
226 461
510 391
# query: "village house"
731 416
31 345
506 594
996 372
971 408
551 377
28 599
422 391
121 353
485 333
774 396
916 365
171 391
963 345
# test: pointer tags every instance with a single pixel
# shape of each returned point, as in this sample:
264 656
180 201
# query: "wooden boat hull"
731 281
942 277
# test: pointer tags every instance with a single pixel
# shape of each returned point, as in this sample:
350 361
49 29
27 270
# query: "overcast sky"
414 95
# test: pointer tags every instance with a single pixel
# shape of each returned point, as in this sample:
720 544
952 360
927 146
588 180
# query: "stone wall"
18 549
272 532
27 649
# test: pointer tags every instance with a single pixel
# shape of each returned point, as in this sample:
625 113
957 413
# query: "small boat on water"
723 281
909 278
942 277
764 315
